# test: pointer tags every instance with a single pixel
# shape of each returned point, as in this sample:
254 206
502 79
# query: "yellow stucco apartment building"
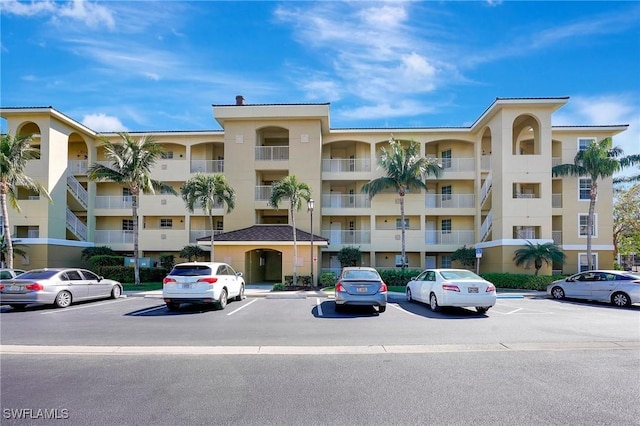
496 191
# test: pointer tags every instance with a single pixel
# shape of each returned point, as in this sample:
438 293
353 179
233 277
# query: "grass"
142 286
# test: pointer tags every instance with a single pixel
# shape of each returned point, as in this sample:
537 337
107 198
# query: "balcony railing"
461 237
113 236
76 226
348 201
114 202
557 237
194 234
529 196
486 226
207 166
457 164
77 167
78 190
347 237
525 234
486 187
556 161
263 192
268 153
485 162
349 165
450 201
556 201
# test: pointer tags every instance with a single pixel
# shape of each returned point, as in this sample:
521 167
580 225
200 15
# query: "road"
292 361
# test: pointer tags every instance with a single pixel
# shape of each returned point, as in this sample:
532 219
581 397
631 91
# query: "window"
126 192
406 224
352 225
167 155
446 192
584 189
88 275
219 225
127 224
583 143
582 223
446 159
584 265
166 223
445 261
445 226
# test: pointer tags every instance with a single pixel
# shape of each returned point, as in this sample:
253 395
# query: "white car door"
427 285
233 282
416 286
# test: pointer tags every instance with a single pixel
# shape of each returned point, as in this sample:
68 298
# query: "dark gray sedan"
358 286
57 286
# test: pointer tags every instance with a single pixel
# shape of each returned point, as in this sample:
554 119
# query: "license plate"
15 288
362 289
186 286
473 289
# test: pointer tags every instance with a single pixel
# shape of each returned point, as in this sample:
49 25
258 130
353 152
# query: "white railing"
348 201
461 237
194 234
556 161
347 237
77 167
529 196
207 166
556 201
457 164
263 192
76 226
525 234
78 190
486 187
557 237
113 237
486 226
450 200
33 233
485 162
267 153
114 201
349 165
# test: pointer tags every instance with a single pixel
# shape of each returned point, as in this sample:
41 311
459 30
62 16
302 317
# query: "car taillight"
339 287
1 287
450 287
383 287
168 280
210 280
490 288
635 282
34 287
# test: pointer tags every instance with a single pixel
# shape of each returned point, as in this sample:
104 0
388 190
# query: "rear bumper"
460 300
378 299
27 298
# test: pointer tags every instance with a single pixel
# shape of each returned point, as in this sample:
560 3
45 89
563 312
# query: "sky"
153 66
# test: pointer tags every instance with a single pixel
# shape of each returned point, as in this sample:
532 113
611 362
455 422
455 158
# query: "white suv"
202 282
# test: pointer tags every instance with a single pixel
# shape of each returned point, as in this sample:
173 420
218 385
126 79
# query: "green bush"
101 260
328 279
398 277
89 252
303 280
520 281
125 274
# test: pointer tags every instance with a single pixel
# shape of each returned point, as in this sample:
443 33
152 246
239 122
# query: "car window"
90 276
222 270
191 270
361 275
422 276
452 275
5 275
431 276
38 274
72 276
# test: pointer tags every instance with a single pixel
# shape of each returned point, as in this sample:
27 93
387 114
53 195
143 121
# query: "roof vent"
239 100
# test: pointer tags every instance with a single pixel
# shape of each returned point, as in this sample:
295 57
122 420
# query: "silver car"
7 274
57 286
360 286
619 288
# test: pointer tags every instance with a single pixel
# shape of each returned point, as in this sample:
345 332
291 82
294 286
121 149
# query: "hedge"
125 274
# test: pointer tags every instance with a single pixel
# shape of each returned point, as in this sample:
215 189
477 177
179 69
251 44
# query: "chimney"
239 100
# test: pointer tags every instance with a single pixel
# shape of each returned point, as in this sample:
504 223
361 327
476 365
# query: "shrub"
328 279
167 261
89 252
349 256
100 260
398 277
124 274
303 280
520 281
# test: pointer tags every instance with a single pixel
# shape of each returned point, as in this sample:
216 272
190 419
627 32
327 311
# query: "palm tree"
14 154
598 161
289 188
131 161
4 254
406 170
208 191
538 253
627 161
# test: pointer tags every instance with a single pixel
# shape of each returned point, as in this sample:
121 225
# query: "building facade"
496 191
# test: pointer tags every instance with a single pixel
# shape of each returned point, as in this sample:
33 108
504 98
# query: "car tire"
19 306
339 308
116 292
240 295
63 300
620 299
222 302
173 306
482 309
409 297
381 309
433 303
557 293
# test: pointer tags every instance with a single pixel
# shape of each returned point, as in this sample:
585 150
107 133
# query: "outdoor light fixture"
310 210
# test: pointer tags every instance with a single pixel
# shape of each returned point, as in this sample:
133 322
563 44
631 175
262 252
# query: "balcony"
457 164
194 234
455 201
556 201
272 153
77 167
207 166
104 236
114 202
347 237
348 201
349 165
263 192
557 237
457 238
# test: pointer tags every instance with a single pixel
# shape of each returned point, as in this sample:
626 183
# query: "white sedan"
452 287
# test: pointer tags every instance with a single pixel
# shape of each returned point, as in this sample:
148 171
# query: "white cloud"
91 14
32 8
103 123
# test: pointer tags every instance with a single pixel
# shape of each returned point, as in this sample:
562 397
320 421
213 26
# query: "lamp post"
310 210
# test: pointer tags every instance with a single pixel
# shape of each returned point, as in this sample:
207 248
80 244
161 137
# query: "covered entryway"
263 265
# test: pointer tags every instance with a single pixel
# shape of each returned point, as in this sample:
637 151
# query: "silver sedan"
57 286
619 288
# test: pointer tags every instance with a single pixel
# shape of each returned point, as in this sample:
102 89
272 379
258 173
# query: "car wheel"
381 309
433 303
173 306
557 293
116 292
409 298
482 309
240 295
222 303
620 299
63 300
19 306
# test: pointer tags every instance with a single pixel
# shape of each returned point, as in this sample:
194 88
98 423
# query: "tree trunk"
212 237
402 233
593 194
5 225
136 267
295 249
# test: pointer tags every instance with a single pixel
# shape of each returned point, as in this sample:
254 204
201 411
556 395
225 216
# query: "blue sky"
145 66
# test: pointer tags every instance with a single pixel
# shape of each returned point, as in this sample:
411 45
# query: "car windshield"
37 275
361 275
459 275
191 270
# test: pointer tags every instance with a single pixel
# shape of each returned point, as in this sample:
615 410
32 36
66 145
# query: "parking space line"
401 310
146 311
75 308
242 307
318 303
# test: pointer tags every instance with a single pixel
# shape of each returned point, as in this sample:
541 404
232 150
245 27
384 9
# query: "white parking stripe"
402 310
146 311
242 307
318 303
75 308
